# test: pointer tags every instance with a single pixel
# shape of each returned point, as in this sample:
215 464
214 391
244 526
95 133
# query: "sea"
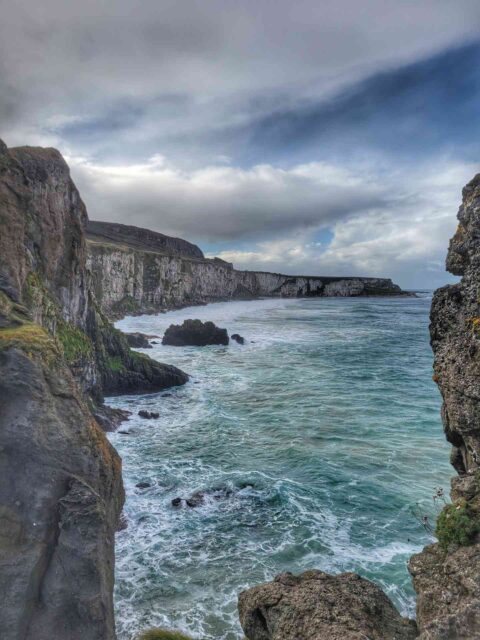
317 444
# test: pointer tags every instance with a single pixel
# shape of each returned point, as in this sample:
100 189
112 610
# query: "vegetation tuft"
162 634
457 524
77 346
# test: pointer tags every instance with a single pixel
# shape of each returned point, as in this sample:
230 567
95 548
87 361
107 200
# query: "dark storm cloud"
64 62
273 117
431 105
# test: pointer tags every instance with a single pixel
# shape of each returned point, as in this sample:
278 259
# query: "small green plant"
76 344
457 524
162 634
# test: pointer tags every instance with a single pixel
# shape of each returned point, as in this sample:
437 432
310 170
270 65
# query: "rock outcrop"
316 605
137 277
61 496
446 575
139 340
195 333
61 493
43 256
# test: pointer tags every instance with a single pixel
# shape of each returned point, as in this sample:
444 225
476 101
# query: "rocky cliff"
61 492
446 575
143 276
43 255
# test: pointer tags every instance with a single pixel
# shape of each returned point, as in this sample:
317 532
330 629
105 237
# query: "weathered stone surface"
447 579
448 587
194 333
138 279
60 500
316 606
238 338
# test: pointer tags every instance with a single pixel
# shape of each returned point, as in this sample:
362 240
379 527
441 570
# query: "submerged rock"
238 338
143 485
199 498
194 333
148 415
319 606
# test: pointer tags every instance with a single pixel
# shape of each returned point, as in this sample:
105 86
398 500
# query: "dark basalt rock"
143 485
139 340
110 418
148 415
238 338
194 333
316 605
198 498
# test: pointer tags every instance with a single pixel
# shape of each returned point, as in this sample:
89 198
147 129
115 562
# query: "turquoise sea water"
318 444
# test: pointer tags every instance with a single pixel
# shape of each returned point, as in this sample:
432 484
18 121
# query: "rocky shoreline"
62 494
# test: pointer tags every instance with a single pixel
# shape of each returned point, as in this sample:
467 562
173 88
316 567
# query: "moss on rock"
162 634
76 345
457 524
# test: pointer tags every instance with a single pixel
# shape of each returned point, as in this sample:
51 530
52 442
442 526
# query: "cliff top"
144 239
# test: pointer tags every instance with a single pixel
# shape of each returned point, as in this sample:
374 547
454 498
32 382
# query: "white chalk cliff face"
134 277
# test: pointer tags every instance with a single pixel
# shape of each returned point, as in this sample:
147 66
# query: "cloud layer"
275 219
329 136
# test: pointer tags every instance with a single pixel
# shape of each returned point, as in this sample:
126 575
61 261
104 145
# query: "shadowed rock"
194 333
139 340
148 415
319 606
238 338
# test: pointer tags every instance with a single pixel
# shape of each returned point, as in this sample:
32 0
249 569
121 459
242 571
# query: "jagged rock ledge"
136 271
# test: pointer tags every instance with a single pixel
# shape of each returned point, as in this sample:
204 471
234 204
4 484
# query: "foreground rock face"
61 489
447 577
137 277
315 606
195 333
61 496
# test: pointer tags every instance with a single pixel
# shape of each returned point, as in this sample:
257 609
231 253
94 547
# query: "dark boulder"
110 418
143 485
139 340
194 333
148 415
238 338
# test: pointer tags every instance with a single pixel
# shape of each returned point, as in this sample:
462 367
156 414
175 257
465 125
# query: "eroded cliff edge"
140 271
446 575
61 491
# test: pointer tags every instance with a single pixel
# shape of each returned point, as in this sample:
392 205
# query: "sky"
307 137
